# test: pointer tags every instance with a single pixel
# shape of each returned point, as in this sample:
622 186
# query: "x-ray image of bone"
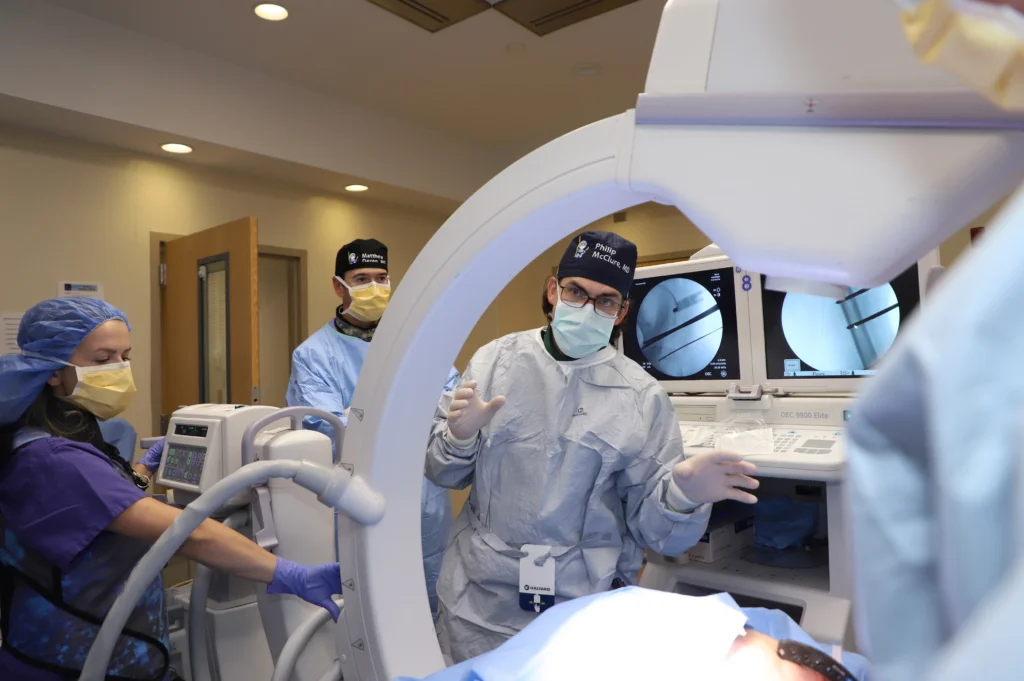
847 335
679 327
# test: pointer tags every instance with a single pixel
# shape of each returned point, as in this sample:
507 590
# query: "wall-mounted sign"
73 289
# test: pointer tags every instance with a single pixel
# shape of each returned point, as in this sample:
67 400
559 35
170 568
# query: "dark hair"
548 309
59 418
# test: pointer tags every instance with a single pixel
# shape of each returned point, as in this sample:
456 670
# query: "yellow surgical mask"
979 42
368 300
105 390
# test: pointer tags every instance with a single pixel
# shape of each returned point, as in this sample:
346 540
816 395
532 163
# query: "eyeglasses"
605 306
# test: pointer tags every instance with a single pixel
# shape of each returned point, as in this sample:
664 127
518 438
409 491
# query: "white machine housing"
808 431
800 136
203 445
808 445
807 463
306 534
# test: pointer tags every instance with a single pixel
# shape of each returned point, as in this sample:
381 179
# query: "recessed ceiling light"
270 11
588 69
175 148
515 49
356 188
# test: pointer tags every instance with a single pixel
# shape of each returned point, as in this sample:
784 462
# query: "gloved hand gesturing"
468 414
715 476
151 459
315 584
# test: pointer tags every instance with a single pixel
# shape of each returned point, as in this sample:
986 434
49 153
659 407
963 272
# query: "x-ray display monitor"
813 337
683 326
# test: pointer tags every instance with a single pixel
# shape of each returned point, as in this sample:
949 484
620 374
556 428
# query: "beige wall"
75 211
960 242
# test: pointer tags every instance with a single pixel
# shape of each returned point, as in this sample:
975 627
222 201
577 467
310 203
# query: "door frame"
301 324
156 241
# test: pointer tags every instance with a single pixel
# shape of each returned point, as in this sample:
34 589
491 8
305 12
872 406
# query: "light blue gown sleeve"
988 647
307 388
900 618
453 380
644 483
436 522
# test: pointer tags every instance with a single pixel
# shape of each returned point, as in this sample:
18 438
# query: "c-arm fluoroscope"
801 136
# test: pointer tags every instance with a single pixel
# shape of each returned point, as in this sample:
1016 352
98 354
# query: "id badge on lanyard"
536 582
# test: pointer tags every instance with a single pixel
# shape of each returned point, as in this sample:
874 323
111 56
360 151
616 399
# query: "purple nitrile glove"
315 584
151 459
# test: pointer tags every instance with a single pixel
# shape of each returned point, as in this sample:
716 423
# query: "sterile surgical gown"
578 459
936 474
324 373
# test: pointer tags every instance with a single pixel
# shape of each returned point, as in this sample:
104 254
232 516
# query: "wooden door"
209 318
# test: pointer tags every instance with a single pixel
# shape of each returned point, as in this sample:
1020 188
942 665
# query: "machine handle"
147 442
295 415
266 535
737 393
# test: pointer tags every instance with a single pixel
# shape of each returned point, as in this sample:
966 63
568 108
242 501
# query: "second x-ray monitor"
810 344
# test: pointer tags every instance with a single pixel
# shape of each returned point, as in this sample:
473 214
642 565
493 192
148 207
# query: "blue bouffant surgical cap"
51 330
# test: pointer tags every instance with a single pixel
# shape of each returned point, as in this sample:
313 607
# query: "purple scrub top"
57 496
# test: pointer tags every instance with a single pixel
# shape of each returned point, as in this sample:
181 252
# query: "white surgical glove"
715 476
468 414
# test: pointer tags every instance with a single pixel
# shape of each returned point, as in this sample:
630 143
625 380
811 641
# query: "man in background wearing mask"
576 473
326 367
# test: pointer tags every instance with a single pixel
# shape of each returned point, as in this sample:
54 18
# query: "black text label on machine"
805 415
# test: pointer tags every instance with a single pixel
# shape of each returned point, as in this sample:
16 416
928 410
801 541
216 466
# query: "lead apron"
58 613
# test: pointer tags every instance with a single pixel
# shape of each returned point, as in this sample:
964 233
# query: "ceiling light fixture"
175 148
356 188
270 11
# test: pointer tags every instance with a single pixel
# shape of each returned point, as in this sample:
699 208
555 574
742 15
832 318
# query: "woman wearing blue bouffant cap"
74 516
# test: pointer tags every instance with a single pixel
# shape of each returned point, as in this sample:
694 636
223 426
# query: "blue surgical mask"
580 331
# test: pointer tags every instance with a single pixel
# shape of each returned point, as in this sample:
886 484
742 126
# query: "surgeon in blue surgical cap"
326 367
575 459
